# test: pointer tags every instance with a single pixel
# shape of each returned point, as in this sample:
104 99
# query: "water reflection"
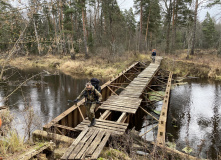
47 94
197 108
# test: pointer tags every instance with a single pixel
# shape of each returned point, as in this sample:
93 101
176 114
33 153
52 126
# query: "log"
43 135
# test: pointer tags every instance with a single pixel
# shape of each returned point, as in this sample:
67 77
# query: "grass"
115 154
105 66
11 143
205 63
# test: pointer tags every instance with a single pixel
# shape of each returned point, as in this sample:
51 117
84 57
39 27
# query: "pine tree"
150 19
208 32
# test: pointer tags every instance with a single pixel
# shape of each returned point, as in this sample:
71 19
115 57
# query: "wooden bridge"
123 97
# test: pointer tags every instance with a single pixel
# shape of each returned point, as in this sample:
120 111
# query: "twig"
20 86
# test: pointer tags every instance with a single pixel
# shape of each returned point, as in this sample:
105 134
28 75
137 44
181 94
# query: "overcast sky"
214 11
127 4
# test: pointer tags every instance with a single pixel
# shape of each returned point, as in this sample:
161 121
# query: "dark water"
47 95
197 108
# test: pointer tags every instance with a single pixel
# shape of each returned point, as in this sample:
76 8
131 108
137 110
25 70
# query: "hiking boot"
93 122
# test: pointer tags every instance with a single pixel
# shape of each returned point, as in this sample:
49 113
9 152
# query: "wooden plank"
114 132
125 102
107 128
106 124
123 115
80 155
73 145
81 144
65 127
100 147
94 144
136 102
122 106
105 114
120 109
107 121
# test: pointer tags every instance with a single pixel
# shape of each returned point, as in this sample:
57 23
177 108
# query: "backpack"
95 82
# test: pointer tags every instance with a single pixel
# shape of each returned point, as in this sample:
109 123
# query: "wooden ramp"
88 144
91 140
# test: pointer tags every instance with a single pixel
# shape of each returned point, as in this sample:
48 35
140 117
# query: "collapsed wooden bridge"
123 97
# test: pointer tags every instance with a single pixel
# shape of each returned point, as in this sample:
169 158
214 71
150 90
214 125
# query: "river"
196 107
47 95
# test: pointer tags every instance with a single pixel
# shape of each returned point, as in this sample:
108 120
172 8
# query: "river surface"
196 107
47 95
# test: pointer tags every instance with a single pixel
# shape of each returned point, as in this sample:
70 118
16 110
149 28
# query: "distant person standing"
154 53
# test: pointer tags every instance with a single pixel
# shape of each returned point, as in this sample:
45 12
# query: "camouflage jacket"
91 95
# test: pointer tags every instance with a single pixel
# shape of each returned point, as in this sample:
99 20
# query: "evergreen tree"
208 32
150 20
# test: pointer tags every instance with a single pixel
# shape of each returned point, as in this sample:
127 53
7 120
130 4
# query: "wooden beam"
127 78
122 117
149 130
112 90
149 114
80 112
163 116
105 114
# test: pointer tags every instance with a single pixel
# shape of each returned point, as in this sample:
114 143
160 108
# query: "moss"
39 145
154 96
113 154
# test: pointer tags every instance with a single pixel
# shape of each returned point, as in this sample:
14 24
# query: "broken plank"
100 147
73 145
95 143
80 144
80 154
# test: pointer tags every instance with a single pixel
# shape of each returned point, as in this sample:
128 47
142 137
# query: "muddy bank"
185 68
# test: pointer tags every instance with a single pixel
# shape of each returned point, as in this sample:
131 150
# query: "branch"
20 86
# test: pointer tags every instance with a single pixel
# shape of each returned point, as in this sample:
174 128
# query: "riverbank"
203 64
96 66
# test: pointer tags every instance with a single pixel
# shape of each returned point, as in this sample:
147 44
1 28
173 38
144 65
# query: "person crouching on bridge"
92 99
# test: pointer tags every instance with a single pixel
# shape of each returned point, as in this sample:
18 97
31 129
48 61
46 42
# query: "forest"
96 27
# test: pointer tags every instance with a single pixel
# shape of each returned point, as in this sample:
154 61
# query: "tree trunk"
36 35
194 29
168 28
148 19
141 16
55 28
173 26
84 30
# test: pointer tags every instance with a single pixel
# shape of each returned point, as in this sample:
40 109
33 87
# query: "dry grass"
11 143
202 59
7 118
102 65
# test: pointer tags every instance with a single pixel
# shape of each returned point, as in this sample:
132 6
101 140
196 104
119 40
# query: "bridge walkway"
91 140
